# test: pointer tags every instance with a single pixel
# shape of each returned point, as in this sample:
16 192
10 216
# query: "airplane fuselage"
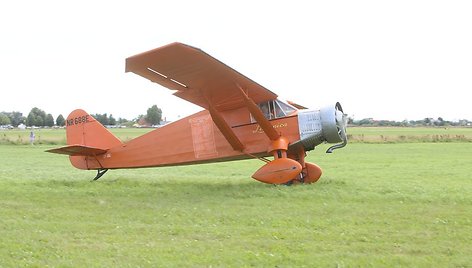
191 140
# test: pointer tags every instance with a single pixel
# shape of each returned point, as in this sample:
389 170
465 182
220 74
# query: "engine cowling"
327 124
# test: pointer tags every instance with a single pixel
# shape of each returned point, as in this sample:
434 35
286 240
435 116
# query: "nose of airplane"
327 124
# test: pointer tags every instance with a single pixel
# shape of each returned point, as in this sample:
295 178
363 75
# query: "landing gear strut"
310 172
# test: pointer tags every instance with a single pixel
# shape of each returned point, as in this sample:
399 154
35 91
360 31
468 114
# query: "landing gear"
282 169
310 172
100 173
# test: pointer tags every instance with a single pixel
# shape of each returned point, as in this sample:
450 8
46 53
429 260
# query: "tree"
427 121
154 115
366 121
16 118
122 120
141 116
30 120
39 121
439 122
60 121
36 117
111 120
4 120
350 120
49 120
102 118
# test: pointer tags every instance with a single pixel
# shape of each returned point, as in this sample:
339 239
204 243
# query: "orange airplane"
241 119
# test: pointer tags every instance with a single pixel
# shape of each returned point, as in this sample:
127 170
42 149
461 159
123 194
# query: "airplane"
241 120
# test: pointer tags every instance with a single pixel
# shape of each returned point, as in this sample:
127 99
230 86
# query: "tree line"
153 116
439 122
39 118
36 117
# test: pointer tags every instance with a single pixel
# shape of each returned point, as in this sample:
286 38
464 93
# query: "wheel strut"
100 173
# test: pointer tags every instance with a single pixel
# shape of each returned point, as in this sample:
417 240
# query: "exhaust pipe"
340 145
341 123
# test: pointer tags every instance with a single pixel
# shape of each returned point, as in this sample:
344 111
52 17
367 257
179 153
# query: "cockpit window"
274 109
265 109
287 109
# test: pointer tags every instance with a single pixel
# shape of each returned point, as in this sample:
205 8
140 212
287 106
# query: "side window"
266 109
278 110
274 109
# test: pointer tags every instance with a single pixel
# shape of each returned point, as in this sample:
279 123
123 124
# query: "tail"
86 139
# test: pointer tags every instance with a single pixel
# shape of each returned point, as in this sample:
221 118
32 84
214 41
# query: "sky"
391 60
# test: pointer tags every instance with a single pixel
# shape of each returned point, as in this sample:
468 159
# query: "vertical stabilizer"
83 129
86 132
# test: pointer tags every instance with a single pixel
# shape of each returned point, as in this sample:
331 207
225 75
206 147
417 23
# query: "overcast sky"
382 59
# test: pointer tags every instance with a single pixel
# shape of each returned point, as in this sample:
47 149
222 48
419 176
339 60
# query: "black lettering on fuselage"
77 120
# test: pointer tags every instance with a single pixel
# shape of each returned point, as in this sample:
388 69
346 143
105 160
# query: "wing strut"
225 129
282 169
260 118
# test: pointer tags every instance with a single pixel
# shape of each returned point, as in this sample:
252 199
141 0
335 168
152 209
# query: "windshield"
275 109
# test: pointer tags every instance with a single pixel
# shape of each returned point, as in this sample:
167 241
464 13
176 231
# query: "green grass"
355 135
409 134
58 136
377 205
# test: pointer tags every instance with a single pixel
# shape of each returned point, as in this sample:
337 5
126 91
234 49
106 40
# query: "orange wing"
198 77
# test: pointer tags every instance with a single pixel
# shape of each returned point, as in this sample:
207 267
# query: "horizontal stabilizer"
78 150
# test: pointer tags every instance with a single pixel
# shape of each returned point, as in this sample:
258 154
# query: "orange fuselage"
191 140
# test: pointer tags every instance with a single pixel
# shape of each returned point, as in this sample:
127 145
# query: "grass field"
377 205
58 136
355 134
409 134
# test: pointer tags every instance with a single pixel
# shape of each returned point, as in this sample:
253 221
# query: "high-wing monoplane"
241 120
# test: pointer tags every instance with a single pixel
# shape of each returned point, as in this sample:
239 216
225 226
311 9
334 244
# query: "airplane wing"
198 77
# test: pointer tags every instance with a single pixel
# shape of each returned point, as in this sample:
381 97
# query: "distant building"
143 123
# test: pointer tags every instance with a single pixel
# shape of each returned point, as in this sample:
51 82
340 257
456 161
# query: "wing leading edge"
198 77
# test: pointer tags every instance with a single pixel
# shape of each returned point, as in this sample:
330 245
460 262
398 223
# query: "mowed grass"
409 134
377 205
54 136
355 135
